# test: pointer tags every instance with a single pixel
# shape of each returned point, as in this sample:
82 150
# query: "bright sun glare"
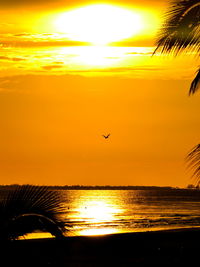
99 24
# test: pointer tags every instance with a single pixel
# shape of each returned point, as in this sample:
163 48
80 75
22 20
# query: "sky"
72 71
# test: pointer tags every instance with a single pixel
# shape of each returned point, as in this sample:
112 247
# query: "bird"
106 136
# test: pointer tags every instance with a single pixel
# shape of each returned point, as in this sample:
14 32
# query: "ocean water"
96 212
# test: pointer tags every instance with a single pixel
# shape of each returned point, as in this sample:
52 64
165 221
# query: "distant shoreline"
98 187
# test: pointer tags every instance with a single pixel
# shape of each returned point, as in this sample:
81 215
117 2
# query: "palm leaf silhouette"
29 208
181 28
193 160
181 31
195 83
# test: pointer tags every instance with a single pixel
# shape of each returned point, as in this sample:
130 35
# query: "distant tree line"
95 187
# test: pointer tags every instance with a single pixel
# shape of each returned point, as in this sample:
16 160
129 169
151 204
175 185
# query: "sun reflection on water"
98 210
97 231
101 212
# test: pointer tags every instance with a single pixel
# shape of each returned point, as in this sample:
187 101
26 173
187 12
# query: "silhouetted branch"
28 208
193 160
195 83
181 29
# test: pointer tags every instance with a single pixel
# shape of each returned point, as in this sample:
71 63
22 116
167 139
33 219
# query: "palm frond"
193 160
195 83
181 29
30 208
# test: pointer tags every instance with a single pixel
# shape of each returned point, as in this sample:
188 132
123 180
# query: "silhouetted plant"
29 208
193 159
181 31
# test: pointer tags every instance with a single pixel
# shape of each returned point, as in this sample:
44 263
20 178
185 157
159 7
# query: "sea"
100 212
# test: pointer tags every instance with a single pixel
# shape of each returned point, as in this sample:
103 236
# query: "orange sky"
58 96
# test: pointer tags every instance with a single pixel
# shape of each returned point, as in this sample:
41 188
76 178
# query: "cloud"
53 65
50 67
139 53
12 3
122 69
58 62
47 3
12 58
23 34
45 43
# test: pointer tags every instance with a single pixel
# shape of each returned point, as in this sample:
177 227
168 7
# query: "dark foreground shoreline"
158 248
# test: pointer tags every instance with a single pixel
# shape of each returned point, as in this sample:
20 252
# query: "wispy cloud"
25 39
13 3
24 34
44 43
121 69
90 61
137 72
63 3
139 53
12 58
51 67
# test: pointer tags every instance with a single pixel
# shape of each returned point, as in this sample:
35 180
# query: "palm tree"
181 31
193 159
29 208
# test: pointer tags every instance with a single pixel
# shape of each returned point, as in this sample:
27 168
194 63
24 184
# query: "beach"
156 248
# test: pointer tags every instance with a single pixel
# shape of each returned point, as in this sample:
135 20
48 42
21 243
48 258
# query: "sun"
99 24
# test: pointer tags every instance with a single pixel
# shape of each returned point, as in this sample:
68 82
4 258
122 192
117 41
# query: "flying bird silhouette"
106 136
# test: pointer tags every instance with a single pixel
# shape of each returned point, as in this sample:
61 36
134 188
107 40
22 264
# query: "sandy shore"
159 248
